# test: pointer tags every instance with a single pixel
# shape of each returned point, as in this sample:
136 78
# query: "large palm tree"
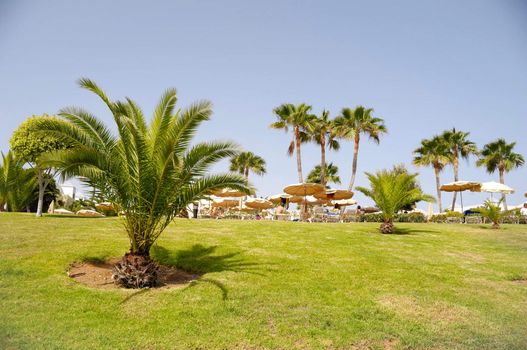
245 162
299 119
352 123
331 174
323 132
152 168
433 152
499 155
393 190
459 146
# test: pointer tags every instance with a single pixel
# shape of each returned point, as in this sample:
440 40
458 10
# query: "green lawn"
269 285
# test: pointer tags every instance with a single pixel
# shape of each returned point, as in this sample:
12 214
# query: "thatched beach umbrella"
225 203
303 189
460 186
258 203
334 194
227 192
277 198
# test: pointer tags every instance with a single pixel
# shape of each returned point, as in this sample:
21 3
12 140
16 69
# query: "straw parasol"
303 189
225 203
460 186
258 203
369 210
247 209
344 202
296 199
227 192
334 194
277 198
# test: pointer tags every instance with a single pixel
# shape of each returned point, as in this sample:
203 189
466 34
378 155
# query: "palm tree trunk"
298 156
323 159
438 185
41 189
456 177
502 181
354 164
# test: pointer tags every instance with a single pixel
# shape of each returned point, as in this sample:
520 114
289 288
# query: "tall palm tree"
331 174
299 119
433 152
499 155
393 190
247 161
323 132
152 168
459 146
351 123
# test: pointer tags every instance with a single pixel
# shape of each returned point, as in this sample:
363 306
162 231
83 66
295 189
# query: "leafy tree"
433 152
491 211
459 146
17 185
323 132
393 190
152 168
245 162
29 145
299 119
331 174
499 155
352 123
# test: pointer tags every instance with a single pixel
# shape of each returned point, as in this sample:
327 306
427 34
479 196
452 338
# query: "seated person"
523 210
279 209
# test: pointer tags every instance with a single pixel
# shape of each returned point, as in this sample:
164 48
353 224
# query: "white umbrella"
495 187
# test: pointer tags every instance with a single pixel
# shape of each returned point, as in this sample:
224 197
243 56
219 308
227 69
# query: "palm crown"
351 123
499 155
331 174
247 161
152 169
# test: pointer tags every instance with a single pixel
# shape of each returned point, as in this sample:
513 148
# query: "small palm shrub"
392 190
492 212
150 171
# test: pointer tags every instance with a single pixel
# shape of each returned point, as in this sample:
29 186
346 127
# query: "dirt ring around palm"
95 274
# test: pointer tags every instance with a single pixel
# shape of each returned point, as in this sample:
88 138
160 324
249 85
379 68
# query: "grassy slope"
269 285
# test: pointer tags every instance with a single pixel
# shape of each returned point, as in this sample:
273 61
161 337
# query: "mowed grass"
269 285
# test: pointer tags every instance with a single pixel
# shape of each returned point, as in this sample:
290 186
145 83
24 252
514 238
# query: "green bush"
440 218
411 217
407 217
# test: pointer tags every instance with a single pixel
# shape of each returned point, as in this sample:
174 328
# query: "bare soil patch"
99 275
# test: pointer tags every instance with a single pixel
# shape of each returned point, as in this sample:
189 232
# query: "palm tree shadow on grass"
410 231
201 260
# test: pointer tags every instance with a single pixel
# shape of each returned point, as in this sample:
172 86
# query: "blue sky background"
424 66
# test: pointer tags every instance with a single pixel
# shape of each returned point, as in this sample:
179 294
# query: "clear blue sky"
424 66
